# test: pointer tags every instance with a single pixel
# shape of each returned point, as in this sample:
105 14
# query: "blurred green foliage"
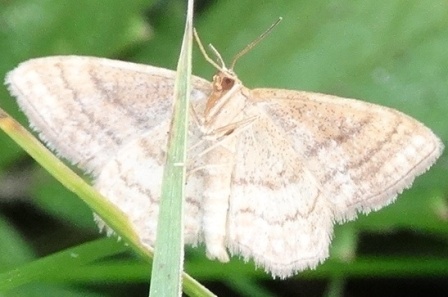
391 52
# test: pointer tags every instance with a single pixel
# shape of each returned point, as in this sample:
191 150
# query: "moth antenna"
206 56
217 54
254 43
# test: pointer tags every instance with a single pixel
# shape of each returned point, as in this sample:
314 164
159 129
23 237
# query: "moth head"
225 83
224 80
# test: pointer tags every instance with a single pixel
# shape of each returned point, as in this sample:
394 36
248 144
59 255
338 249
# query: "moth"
269 171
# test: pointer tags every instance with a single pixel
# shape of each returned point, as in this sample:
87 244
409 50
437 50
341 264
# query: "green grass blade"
59 265
169 248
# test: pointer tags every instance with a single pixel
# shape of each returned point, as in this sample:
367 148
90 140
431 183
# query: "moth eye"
227 83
